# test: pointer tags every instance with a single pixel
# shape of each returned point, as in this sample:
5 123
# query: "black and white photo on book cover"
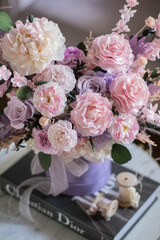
71 211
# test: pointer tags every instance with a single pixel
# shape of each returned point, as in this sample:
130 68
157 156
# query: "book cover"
72 213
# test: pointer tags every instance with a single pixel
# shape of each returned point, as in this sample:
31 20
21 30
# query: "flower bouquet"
76 107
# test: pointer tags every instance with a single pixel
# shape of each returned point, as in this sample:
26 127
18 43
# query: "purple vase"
91 181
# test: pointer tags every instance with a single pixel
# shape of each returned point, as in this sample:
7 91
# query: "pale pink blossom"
30 47
49 99
18 81
132 3
124 128
149 113
5 73
111 52
121 27
61 74
91 114
127 13
130 92
42 143
62 136
157 26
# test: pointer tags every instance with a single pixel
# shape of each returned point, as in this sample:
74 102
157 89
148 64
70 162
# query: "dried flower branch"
142 137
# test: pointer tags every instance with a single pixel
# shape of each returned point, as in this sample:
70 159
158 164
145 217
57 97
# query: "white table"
16 227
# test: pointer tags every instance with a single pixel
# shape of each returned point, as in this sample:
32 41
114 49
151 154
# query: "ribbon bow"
55 184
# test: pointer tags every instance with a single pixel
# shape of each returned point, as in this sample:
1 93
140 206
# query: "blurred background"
76 18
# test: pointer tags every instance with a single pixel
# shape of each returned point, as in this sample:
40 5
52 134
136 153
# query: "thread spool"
128 196
105 206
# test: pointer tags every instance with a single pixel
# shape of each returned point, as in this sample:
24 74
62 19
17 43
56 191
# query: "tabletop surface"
14 226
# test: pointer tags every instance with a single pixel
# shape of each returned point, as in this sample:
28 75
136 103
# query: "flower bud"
43 121
150 21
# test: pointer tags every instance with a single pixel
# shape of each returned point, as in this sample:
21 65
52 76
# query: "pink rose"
111 52
124 128
92 114
130 92
49 99
62 136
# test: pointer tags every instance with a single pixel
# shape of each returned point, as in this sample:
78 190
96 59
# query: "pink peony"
130 92
92 114
30 48
49 99
62 136
61 74
154 51
3 88
42 143
124 128
5 73
111 52
18 81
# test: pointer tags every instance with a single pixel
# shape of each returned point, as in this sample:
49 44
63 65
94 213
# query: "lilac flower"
19 111
153 89
71 56
107 77
42 142
5 130
138 46
100 140
91 81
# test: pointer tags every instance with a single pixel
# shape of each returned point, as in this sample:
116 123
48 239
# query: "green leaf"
146 32
40 83
24 93
5 22
92 145
96 69
120 154
45 160
31 18
82 47
145 76
154 73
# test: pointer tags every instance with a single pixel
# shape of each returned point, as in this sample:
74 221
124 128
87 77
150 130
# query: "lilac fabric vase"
91 181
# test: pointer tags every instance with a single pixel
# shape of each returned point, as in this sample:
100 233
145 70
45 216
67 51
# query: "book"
72 213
